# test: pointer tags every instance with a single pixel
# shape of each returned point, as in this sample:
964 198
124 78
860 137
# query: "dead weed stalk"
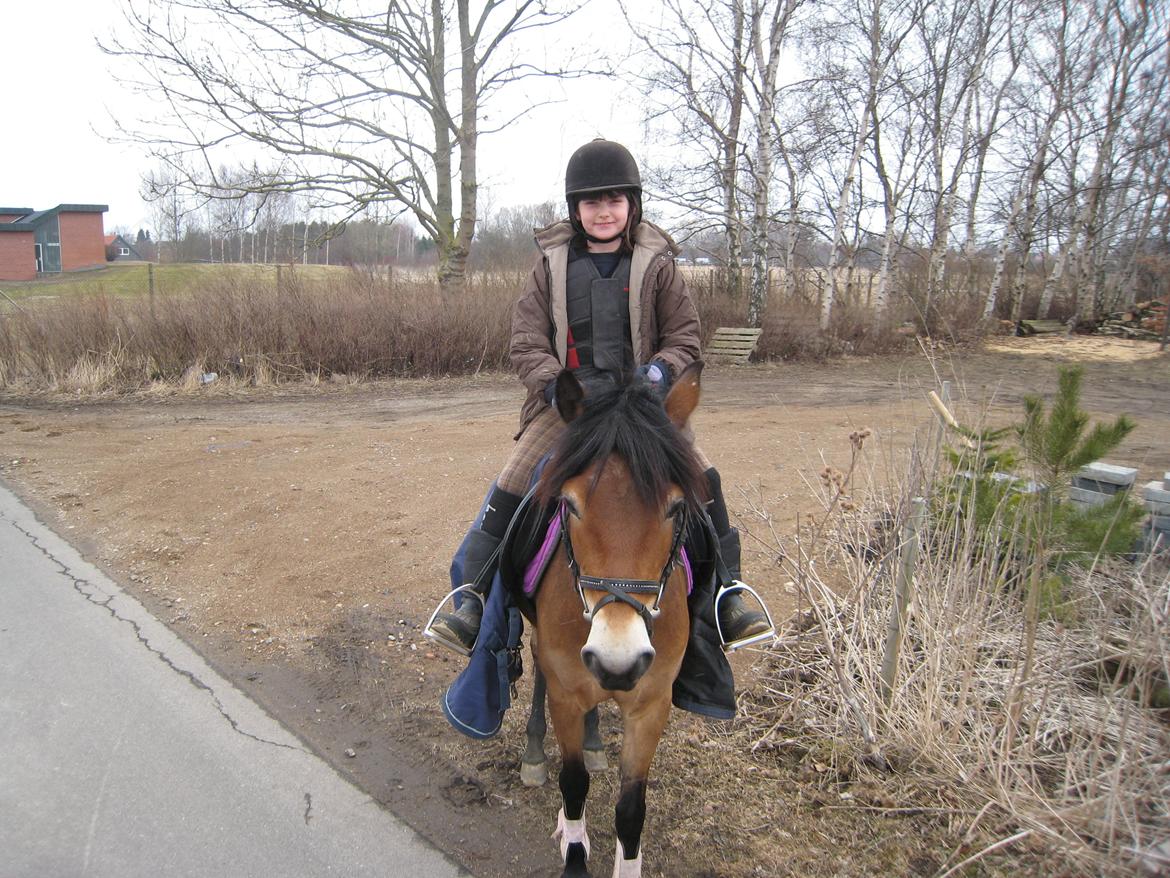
1050 727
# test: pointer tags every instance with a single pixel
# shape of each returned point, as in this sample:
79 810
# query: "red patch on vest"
572 361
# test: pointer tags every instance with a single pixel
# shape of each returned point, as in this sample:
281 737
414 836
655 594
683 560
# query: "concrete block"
1110 474
1166 481
1100 487
1085 497
1156 497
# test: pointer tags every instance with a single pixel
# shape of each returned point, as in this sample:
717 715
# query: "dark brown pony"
611 612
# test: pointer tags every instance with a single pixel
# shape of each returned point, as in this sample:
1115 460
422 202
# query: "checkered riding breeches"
537 440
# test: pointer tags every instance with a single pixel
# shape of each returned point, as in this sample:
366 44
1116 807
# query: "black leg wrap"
574 781
630 816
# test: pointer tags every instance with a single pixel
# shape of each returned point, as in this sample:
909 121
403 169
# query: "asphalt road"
123 754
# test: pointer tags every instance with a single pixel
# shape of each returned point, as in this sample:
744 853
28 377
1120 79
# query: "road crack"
87 590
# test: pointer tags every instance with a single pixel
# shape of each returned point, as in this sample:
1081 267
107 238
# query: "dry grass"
357 325
1032 731
248 328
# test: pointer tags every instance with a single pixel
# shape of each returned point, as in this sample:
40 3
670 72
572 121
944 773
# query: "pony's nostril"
589 657
642 663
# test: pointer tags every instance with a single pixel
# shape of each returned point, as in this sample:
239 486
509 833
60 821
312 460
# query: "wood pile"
1141 320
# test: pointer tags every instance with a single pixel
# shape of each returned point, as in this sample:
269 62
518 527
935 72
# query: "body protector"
599 318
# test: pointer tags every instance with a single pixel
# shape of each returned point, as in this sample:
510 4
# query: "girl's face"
604 215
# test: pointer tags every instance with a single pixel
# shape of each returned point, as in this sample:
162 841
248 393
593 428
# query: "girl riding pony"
605 300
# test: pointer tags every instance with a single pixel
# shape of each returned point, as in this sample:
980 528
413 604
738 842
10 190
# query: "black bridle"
621 589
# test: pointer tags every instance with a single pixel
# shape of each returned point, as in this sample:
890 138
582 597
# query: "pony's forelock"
627 420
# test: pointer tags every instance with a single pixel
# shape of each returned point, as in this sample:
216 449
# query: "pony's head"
627 479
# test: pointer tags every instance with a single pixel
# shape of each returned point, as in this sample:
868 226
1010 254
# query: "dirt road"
300 536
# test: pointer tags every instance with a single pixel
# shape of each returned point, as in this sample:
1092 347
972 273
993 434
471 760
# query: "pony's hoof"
534 774
595 760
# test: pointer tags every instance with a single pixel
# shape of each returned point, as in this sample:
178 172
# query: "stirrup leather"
736 586
429 631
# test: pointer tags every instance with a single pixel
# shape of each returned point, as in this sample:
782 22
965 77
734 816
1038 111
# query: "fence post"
903 595
278 267
150 285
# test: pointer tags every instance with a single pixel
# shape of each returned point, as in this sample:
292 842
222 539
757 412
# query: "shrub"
288 324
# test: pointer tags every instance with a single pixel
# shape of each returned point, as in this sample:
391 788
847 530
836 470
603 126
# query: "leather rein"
620 589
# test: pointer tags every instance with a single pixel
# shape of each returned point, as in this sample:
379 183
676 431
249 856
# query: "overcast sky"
60 95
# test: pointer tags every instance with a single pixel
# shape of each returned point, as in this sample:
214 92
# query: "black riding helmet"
603 166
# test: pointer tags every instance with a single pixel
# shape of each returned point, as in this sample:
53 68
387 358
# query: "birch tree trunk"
767 40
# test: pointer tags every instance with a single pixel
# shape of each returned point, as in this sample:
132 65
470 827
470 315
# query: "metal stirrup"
734 586
431 634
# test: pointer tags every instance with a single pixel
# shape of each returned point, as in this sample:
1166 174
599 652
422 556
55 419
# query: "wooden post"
278 267
903 595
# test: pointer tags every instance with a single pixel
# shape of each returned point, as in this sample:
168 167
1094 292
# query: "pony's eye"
571 506
675 508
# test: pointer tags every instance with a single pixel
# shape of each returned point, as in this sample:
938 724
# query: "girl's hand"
658 374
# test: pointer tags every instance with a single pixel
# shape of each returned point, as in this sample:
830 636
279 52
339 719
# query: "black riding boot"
736 621
480 560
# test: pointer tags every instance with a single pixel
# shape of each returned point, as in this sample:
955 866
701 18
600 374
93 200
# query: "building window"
123 251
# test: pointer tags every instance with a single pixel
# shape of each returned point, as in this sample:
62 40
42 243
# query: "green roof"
30 219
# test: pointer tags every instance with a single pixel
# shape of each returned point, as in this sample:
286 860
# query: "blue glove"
658 374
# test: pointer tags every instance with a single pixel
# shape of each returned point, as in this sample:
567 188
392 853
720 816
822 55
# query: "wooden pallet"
734 343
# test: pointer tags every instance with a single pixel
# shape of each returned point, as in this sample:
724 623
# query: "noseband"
621 589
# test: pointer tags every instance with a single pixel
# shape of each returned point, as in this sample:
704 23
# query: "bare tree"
716 75
170 206
957 41
876 30
1056 67
695 85
360 104
768 28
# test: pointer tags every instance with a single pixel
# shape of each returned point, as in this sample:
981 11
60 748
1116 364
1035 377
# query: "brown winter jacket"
663 321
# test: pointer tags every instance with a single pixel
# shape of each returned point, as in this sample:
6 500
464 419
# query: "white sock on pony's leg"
570 832
623 868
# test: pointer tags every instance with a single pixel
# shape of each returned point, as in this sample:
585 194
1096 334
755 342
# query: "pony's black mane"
629 421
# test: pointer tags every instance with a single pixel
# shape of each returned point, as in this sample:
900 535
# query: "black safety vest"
599 317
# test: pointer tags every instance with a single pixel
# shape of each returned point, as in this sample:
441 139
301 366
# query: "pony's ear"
570 396
684 395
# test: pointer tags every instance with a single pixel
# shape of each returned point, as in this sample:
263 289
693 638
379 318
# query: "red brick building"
68 237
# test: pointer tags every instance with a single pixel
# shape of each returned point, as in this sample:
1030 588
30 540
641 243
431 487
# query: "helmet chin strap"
593 240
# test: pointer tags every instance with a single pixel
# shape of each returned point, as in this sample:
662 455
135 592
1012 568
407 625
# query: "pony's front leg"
643 729
569 724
